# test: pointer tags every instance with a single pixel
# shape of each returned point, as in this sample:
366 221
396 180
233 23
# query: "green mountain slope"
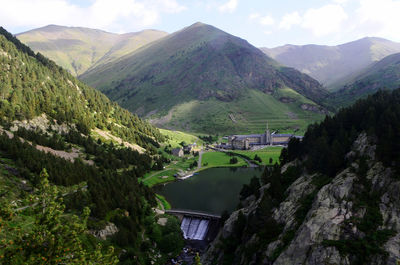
384 74
205 80
334 65
32 85
77 49
47 123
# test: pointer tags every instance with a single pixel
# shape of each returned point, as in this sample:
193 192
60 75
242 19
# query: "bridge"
180 213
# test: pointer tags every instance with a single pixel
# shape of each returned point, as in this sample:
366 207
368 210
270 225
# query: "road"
200 156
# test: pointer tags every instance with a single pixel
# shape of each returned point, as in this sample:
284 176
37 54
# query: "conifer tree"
54 238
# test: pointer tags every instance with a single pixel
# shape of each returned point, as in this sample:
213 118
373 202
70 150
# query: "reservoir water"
212 190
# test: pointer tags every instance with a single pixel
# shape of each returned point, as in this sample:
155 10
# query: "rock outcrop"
109 230
323 220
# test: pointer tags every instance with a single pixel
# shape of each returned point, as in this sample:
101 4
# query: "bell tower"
268 138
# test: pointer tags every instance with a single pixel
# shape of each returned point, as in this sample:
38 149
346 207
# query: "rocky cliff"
352 217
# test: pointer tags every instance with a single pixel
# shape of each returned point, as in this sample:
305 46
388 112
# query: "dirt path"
158 172
109 136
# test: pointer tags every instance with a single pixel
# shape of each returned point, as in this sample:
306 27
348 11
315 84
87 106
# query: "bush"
233 160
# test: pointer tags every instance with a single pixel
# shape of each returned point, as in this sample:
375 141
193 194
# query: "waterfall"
194 228
202 230
185 226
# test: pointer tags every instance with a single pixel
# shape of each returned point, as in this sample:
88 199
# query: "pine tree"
54 238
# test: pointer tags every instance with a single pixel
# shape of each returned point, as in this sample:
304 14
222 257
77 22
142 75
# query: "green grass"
219 159
152 178
156 177
164 202
209 160
176 137
77 50
265 154
250 113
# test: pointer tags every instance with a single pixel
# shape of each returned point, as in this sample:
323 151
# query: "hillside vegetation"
78 49
31 85
47 118
185 79
333 66
384 74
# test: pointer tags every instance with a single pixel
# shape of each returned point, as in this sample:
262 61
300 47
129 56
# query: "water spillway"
197 226
194 228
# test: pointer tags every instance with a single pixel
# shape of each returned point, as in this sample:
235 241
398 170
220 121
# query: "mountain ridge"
79 48
333 65
198 63
384 74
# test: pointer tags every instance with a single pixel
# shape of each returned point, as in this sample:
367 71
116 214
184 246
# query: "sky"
264 23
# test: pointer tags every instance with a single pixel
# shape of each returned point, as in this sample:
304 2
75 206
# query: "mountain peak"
200 64
334 65
77 48
198 24
202 27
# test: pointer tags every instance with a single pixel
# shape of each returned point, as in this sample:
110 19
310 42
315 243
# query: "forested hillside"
31 84
51 222
332 200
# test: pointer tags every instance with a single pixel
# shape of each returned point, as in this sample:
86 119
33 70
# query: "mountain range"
334 66
206 80
78 49
384 74
332 198
202 79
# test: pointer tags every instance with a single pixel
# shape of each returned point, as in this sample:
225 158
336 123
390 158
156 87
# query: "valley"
149 147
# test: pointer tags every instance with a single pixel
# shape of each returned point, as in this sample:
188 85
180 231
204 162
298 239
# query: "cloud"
379 18
229 7
262 20
340 1
254 16
289 20
113 15
325 20
266 21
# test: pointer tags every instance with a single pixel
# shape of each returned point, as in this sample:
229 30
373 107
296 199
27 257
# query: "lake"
212 190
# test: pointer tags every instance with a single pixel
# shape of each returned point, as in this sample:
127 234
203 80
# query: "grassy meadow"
265 154
220 159
246 115
167 174
174 138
